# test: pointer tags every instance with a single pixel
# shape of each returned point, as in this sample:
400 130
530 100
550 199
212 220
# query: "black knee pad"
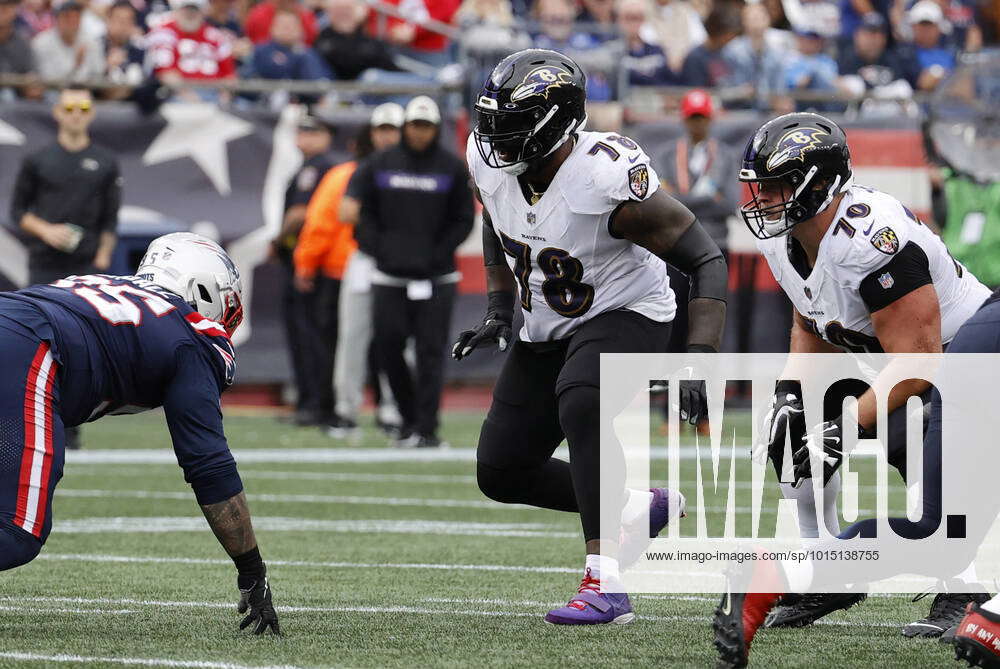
17 547
579 408
501 485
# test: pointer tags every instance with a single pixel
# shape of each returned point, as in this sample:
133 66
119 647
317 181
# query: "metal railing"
313 87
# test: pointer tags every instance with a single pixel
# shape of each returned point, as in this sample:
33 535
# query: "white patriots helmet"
198 270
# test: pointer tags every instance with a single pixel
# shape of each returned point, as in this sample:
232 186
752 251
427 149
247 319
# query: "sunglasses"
70 107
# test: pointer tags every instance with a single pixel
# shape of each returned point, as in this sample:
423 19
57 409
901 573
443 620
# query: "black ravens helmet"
801 162
529 106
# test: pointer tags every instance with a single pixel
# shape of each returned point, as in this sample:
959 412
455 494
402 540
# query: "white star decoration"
10 135
199 131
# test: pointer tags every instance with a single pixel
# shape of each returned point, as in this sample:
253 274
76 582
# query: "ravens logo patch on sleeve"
638 181
886 241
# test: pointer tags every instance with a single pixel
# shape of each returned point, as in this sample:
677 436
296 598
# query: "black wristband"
788 386
500 305
250 565
700 348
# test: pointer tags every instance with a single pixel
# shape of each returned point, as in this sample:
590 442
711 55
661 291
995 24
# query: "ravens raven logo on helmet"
539 81
794 144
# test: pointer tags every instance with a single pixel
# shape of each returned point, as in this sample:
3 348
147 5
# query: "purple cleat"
590 606
665 506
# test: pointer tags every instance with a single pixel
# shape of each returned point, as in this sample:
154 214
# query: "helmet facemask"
504 141
800 198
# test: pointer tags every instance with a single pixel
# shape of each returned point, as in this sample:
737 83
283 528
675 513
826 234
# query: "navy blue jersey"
124 345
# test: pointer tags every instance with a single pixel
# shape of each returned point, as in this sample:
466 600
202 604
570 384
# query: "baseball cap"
873 21
808 31
68 5
310 122
178 4
422 108
697 103
388 113
925 11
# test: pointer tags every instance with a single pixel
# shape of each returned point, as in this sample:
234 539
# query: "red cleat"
977 639
741 614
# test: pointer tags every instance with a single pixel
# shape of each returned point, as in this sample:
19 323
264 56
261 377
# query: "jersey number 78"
562 289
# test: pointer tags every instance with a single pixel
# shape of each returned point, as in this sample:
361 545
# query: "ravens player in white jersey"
864 275
575 221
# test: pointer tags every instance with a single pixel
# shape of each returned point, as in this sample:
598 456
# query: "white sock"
969 575
798 574
605 570
803 496
993 606
636 505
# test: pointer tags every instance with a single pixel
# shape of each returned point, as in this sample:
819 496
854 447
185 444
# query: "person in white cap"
415 209
327 245
936 60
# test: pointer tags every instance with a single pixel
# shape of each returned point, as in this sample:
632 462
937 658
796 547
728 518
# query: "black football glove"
829 446
255 601
692 396
495 328
693 401
785 416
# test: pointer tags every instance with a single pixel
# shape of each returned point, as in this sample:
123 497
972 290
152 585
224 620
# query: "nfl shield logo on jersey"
638 181
531 218
886 241
886 281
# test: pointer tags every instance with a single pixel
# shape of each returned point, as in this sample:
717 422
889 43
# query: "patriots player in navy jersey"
87 346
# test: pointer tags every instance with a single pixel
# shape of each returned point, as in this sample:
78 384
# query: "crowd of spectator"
768 49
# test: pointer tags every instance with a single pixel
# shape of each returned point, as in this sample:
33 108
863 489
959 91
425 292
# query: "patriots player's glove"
255 601
495 328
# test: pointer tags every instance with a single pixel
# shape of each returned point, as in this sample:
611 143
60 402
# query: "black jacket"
82 188
416 208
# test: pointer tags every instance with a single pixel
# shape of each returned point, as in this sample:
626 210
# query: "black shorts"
522 427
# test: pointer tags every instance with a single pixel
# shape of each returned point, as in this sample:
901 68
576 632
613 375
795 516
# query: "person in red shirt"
424 44
258 23
185 47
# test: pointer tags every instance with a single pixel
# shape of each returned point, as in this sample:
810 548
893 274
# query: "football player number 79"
562 289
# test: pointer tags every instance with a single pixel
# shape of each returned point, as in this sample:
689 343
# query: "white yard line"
359 500
131 456
135 661
302 499
358 477
385 609
163 524
130 559
47 611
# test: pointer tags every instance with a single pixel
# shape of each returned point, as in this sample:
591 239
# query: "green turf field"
377 560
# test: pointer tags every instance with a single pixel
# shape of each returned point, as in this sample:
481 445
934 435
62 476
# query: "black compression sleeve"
250 568
501 305
907 270
492 249
697 255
